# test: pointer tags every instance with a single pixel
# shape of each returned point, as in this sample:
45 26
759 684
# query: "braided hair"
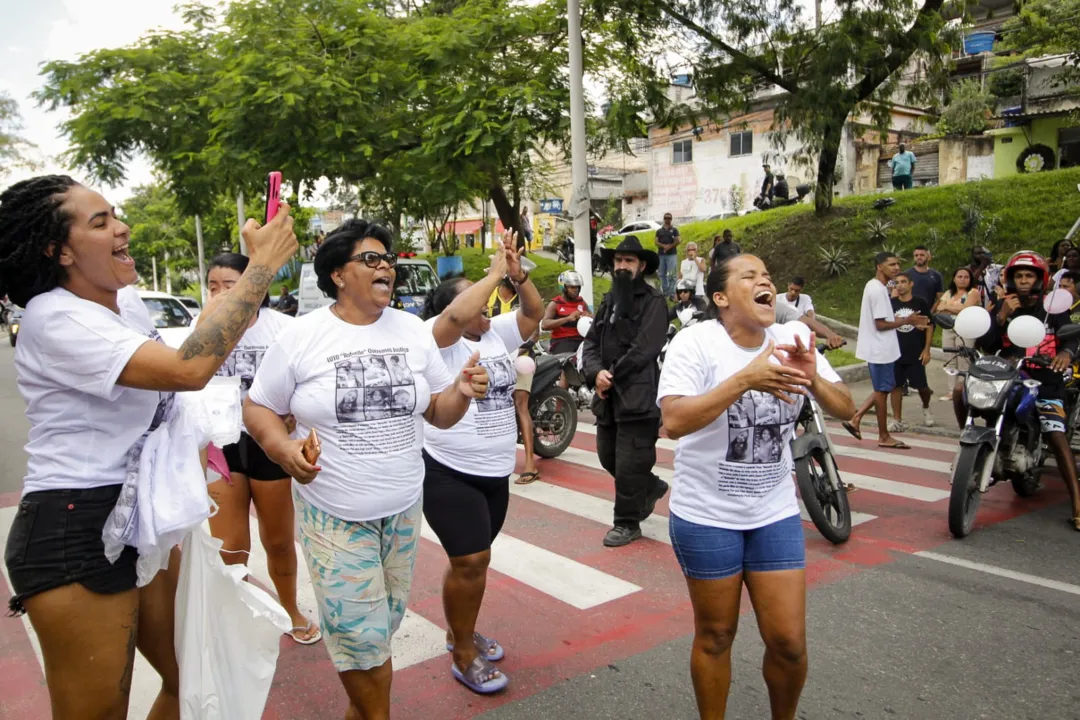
32 223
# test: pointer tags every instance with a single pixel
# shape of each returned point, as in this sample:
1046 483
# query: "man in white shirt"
796 298
879 346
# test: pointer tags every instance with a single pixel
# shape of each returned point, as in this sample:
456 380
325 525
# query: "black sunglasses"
372 258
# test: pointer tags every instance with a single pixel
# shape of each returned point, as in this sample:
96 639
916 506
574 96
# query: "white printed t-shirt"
734 473
803 303
364 389
484 442
69 356
879 347
248 353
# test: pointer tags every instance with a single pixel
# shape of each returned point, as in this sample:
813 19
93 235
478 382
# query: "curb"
854 373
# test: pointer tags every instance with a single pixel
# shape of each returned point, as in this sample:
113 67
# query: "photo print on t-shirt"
500 395
374 387
242 363
756 428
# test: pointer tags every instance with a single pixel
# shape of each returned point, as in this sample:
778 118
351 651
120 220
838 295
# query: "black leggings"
465 511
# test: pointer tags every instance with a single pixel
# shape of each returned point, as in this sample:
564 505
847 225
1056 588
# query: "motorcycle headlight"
15 329
984 394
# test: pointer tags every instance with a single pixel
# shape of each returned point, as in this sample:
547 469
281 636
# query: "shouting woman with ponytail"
730 391
96 378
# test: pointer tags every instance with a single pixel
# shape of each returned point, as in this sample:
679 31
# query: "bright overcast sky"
40 30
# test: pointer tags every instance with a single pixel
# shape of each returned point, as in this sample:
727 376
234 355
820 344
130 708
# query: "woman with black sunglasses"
364 377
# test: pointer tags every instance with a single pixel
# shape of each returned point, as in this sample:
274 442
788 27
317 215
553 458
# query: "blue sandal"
481 677
488 648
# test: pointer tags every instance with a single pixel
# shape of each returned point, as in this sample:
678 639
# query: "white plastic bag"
227 635
216 409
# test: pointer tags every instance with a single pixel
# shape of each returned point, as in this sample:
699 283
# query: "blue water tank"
979 42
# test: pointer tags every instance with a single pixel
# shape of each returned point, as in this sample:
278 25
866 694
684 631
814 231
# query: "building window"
682 152
742 143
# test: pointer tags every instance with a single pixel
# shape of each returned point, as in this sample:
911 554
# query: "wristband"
523 280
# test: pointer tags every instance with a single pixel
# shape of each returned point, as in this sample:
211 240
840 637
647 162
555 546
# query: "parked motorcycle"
553 409
1009 445
823 492
565 254
13 320
763 202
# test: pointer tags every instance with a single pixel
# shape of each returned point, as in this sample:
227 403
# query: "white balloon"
972 323
525 365
583 326
1026 331
800 329
1057 301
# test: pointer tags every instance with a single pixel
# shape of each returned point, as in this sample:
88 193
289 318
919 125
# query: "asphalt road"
892 634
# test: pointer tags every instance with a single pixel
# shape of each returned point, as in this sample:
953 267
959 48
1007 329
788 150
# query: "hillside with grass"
1023 212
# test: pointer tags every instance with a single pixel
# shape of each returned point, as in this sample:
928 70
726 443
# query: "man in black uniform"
621 351
1025 279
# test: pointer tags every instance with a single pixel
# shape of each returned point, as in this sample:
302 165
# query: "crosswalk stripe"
560 577
909 460
857 518
416 641
892 487
911 440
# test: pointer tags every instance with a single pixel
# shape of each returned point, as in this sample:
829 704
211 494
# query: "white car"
174 322
191 304
639 226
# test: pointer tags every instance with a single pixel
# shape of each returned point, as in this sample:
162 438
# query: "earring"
341 284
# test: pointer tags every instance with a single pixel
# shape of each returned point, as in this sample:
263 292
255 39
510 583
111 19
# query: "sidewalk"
944 420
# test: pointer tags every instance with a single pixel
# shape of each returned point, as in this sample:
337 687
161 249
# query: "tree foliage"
969 110
1049 27
418 106
868 56
15 150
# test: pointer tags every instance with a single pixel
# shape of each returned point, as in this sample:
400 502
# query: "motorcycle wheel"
554 416
11 338
824 495
964 497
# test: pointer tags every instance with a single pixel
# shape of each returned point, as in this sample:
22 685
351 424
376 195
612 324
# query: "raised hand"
776 379
473 381
800 357
274 244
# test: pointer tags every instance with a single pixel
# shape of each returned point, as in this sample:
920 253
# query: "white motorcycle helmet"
570 278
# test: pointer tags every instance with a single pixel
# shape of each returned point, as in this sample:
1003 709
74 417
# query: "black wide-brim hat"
632 246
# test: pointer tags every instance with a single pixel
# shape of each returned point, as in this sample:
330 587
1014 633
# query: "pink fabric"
215 459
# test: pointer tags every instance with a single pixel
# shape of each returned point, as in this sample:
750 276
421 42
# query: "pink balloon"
525 365
1057 301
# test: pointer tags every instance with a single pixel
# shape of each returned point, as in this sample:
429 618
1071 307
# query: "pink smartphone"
273 194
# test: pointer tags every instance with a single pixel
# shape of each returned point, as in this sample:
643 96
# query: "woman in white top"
693 269
730 391
255 478
466 487
96 378
960 295
364 377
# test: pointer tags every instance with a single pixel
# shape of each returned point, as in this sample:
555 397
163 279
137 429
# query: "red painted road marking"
549 641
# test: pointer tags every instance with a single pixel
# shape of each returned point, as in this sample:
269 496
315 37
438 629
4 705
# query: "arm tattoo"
216 335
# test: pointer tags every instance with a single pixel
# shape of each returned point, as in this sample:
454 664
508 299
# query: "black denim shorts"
55 540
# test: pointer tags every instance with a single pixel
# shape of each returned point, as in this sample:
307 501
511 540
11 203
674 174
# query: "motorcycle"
553 409
565 255
823 492
687 317
13 320
1009 445
763 202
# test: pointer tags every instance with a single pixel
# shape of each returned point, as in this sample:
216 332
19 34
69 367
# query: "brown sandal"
527 478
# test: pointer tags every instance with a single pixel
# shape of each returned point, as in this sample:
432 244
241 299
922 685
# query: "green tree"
867 56
1049 27
969 110
15 150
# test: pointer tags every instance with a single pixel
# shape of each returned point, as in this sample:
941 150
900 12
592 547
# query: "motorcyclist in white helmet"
563 313
687 303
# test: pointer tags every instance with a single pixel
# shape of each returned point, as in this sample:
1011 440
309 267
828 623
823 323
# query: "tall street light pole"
579 164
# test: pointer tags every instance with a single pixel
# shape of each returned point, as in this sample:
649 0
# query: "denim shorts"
712 553
55 540
882 377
